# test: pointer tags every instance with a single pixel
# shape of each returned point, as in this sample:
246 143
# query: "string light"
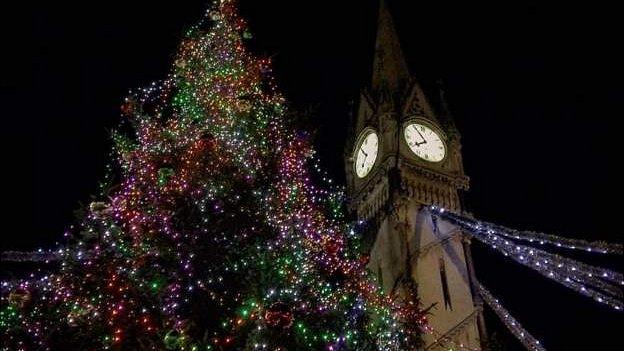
510 322
30 256
535 237
600 284
217 235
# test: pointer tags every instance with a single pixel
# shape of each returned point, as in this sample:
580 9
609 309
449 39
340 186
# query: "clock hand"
422 137
365 157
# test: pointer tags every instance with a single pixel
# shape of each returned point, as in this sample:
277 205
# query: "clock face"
424 142
366 153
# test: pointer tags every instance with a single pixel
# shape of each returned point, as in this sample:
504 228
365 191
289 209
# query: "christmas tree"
215 237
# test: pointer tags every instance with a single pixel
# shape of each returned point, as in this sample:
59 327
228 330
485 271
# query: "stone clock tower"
403 155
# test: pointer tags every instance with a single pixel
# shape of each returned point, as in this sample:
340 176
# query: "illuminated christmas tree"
215 237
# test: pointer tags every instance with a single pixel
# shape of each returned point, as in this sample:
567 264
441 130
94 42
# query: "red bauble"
332 247
279 316
128 107
364 259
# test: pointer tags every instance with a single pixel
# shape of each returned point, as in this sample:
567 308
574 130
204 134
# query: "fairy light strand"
600 284
528 340
600 247
222 233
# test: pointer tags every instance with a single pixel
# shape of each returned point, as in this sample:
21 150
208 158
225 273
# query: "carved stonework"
373 201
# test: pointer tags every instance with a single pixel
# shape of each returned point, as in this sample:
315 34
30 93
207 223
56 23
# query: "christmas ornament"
164 174
172 340
100 209
279 315
128 107
20 297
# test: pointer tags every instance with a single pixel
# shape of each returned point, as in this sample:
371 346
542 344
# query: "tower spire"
389 68
445 115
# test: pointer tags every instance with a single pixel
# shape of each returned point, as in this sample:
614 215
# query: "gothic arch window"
446 293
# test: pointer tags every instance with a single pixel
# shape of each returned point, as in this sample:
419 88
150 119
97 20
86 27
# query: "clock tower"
403 155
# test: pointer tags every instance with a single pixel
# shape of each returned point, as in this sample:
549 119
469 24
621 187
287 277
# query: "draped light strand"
587 280
601 247
528 340
30 256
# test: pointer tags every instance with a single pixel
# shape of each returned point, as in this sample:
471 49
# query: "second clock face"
366 153
424 142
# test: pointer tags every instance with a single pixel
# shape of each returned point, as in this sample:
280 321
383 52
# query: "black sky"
533 88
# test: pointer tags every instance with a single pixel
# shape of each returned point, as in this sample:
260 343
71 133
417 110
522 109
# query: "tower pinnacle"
390 70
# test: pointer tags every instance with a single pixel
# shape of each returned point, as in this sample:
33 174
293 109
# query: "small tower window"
446 294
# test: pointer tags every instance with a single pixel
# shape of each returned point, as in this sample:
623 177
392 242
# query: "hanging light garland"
40 255
600 284
530 342
535 237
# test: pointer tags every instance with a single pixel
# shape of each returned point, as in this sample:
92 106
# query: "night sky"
532 86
